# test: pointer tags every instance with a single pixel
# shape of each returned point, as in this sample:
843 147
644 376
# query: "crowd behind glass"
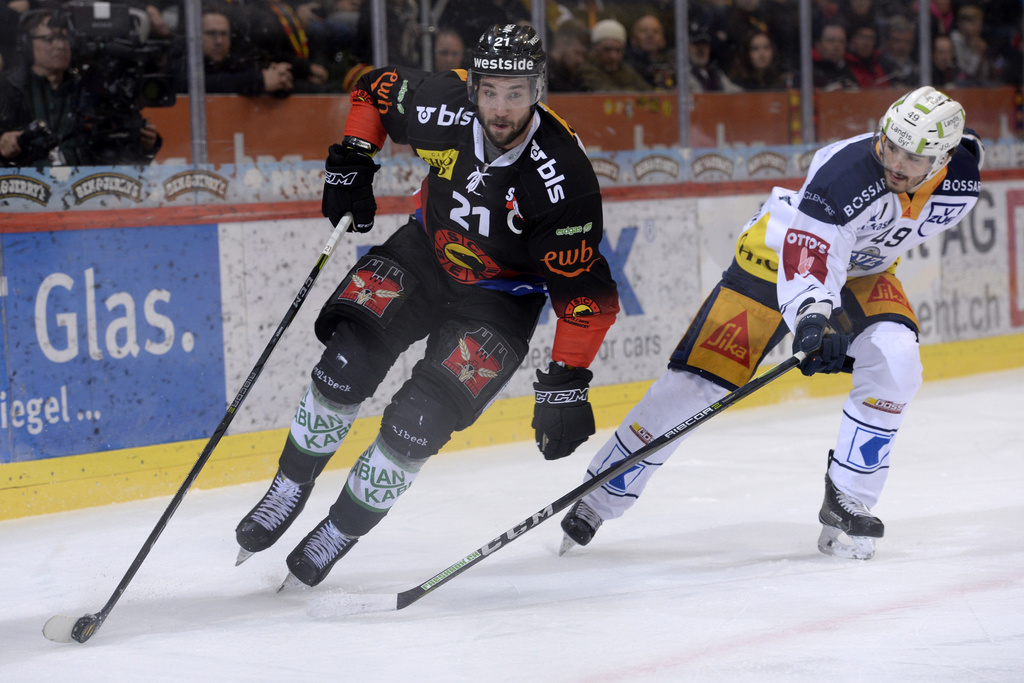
279 48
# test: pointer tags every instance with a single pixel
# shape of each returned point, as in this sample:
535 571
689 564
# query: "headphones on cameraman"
24 41
26 23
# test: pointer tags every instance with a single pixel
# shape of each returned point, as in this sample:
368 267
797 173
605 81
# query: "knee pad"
417 423
351 367
888 358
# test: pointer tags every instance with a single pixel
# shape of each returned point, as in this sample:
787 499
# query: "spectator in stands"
568 53
729 27
970 47
945 72
606 68
829 63
782 18
862 57
647 53
229 73
449 50
756 67
43 104
705 75
898 58
276 33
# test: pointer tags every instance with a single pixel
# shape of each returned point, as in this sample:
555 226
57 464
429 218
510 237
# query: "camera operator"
46 113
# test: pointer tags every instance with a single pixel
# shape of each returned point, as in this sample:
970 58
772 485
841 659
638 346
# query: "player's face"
504 106
903 171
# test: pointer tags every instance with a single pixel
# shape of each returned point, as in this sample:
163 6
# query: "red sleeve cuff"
364 122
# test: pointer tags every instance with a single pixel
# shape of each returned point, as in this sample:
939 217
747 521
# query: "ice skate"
579 524
313 558
848 528
271 517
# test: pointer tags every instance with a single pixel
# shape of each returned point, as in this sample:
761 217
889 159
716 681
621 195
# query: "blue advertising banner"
113 340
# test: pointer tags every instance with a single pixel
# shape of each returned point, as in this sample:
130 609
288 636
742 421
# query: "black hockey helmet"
511 51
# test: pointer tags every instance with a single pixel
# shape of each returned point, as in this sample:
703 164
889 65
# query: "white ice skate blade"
567 545
831 542
340 603
243 555
58 628
291 584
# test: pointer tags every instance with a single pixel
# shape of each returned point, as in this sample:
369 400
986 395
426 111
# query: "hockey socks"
320 425
374 483
318 428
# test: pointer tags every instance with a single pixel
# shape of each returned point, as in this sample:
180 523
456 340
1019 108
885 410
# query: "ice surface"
713 576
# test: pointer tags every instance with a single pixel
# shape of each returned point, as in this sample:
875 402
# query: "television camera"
122 71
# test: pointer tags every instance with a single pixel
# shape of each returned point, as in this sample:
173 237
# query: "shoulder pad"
844 185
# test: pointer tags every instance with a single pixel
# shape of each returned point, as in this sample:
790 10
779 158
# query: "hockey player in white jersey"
820 262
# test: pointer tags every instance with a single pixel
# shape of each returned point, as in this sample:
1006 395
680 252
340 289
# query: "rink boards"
125 343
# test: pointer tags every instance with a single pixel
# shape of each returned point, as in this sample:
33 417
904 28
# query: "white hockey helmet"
923 123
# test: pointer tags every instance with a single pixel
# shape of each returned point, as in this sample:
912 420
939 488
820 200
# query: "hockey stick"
349 603
64 629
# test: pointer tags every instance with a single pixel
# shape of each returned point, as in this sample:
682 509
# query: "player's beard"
900 183
503 139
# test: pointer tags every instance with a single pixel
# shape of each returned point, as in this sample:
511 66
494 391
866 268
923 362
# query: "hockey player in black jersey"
509 212
812 261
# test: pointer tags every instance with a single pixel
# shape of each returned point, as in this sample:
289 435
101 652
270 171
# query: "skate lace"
587 514
278 503
852 505
325 544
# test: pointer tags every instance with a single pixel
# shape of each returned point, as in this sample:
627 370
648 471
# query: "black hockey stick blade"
351 603
63 629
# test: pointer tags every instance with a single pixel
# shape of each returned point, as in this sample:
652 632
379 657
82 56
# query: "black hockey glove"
348 186
824 339
562 416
